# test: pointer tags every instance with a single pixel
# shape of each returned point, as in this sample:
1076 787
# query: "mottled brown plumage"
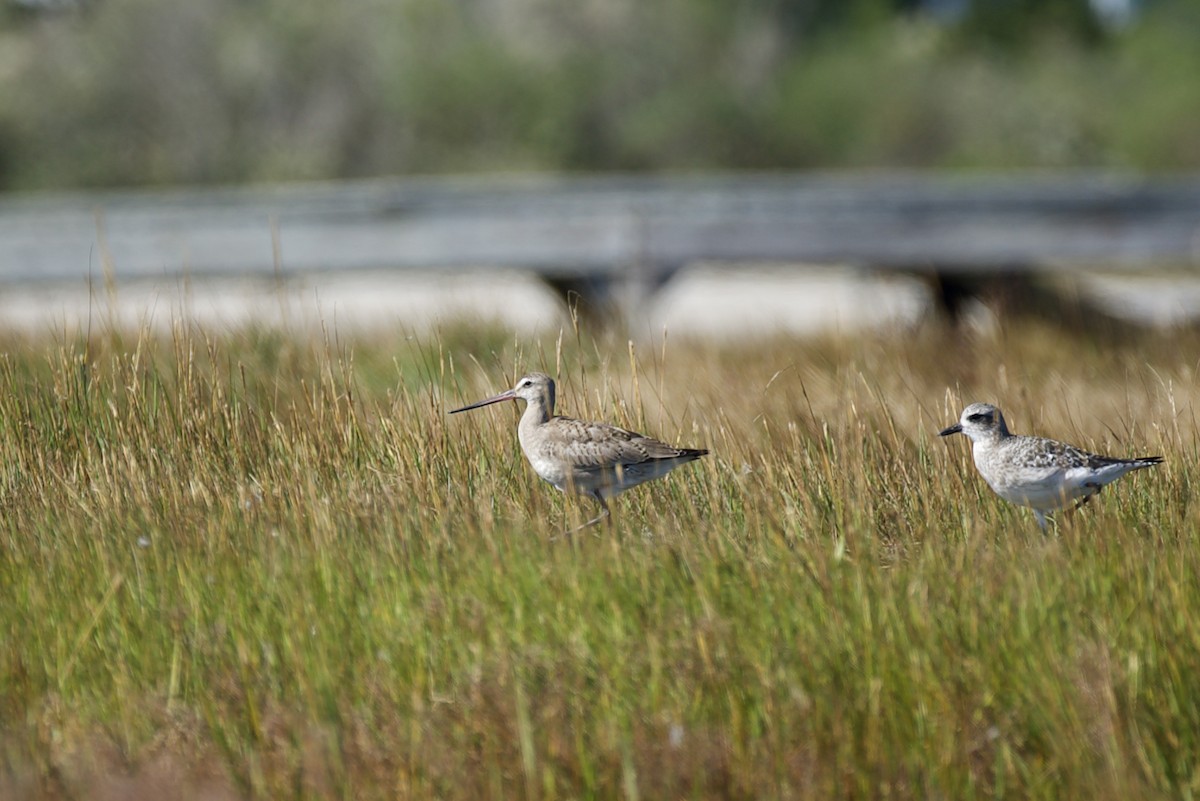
583 457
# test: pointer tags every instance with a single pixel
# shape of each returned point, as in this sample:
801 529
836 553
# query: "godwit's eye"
526 383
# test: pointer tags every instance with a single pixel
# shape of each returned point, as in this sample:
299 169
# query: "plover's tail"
1101 462
1144 461
1103 470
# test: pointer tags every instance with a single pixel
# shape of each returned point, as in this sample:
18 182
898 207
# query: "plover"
1043 474
594 459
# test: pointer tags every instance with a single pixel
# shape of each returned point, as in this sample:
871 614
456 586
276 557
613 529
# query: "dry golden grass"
268 565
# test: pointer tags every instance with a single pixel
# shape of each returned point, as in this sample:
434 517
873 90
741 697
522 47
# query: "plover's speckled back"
592 459
1043 474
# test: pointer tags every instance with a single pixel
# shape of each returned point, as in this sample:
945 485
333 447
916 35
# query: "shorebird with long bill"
594 459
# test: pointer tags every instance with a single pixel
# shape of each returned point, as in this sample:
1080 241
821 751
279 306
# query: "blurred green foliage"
134 92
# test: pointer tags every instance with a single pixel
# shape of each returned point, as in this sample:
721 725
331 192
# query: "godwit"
1043 474
593 459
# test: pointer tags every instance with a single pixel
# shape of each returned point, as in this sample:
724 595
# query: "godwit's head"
979 421
536 388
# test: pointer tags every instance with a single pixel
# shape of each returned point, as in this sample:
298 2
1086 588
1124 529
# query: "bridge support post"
605 300
1016 292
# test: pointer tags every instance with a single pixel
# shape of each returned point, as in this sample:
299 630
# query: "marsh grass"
266 564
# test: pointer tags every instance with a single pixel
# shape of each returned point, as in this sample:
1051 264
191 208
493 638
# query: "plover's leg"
1041 518
1095 490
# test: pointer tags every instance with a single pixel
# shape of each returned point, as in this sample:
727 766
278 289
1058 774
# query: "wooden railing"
591 233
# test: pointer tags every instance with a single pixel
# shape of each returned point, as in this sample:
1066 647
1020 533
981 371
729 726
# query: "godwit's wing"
597 457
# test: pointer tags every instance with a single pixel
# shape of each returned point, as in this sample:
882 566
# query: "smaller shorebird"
1043 474
593 459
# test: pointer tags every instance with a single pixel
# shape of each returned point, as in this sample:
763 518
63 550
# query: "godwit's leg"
604 512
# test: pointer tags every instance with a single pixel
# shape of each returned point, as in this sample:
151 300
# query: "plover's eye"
978 417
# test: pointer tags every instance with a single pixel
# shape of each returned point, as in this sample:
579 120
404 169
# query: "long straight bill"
503 396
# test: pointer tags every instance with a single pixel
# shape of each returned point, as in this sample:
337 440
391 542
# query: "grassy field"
268 565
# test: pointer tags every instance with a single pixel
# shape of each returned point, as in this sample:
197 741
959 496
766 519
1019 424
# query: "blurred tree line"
135 92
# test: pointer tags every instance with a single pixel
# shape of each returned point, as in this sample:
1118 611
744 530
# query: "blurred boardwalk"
611 239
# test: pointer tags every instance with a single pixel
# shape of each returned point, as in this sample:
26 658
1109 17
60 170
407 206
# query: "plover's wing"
1039 452
1049 452
1072 472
